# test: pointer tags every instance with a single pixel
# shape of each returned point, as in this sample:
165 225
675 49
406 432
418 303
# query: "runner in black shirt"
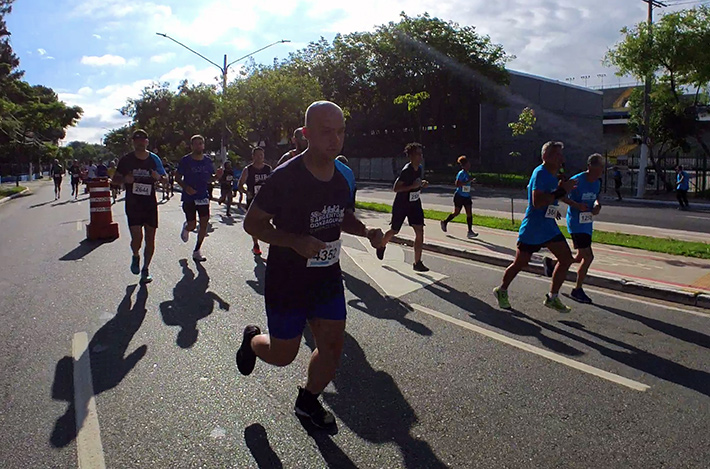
407 204
310 201
225 186
75 172
57 173
139 171
254 176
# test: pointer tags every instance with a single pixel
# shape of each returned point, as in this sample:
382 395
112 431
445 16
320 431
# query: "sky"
98 53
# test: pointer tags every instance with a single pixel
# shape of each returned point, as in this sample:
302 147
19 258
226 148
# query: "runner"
169 187
682 187
310 202
194 174
75 172
57 173
139 171
462 197
111 173
616 175
235 185
583 202
539 227
254 176
225 185
407 204
301 144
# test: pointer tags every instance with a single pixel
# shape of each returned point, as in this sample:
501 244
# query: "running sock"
469 220
552 296
449 218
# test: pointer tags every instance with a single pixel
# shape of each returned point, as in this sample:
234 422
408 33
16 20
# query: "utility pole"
224 69
645 147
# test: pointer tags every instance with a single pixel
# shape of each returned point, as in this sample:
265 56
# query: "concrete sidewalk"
672 278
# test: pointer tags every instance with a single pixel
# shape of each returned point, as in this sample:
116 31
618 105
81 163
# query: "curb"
700 300
14 196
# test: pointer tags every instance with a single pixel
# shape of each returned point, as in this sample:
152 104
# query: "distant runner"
682 187
225 186
57 173
300 143
254 176
75 173
462 197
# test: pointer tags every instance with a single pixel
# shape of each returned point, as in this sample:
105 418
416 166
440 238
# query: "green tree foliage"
678 57
525 123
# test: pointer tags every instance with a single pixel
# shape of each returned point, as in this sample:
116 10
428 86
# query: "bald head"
325 128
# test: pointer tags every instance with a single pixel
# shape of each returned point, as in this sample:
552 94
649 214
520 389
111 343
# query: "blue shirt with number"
465 179
538 226
682 182
586 193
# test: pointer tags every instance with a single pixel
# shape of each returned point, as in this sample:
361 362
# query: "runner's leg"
418 242
329 336
136 239
586 256
561 251
278 352
204 223
149 245
522 259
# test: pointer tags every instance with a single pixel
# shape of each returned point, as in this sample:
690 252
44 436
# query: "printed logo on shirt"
260 178
331 215
589 196
141 173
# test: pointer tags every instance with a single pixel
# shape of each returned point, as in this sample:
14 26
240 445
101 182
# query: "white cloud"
97 36
109 60
162 58
41 52
209 75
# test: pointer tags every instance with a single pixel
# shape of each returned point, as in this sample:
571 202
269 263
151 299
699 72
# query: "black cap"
140 133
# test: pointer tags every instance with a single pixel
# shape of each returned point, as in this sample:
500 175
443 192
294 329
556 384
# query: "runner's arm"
257 223
240 184
353 226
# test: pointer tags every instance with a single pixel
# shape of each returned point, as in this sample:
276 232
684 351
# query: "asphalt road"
436 378
627 213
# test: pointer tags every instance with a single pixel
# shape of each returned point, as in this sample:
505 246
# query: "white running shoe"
184 234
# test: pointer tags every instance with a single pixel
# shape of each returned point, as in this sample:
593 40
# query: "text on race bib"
466 188
551 211
414 196
202 202
142 189
585 217
327 256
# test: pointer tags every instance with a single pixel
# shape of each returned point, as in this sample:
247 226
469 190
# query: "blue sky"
98 53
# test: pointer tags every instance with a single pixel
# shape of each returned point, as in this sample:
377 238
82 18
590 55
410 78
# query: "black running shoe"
308 405
548 266
420 267
246 358
580 296
381 253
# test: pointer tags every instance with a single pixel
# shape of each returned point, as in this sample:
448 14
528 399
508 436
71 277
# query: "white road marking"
89 449
386 273
631 384
697 218
613 294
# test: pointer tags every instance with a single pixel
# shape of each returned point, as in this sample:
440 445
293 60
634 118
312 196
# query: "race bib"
551 211
327 256
466 189
202 202
585 217
414 196
230 178
142 189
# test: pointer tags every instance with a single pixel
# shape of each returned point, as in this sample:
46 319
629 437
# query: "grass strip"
647 243
8 191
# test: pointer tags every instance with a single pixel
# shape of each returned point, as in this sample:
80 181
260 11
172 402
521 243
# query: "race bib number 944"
142 189
551 211
585 217
327 256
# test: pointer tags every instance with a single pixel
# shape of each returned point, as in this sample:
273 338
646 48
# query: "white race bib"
414 196
585 217
202 202
327 256
142 189
551 211
466 188
229 178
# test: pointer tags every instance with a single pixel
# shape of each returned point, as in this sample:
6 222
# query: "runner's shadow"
106 352
225 220
42 204
486 244
680 333
69 201
260 274
258 443
85 248
371 302
383 417
191 302
643 361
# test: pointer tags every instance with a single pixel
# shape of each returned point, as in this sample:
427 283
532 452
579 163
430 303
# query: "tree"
413 101
678 58
525 123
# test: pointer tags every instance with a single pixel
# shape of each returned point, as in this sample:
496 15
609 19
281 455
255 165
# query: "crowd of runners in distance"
300 208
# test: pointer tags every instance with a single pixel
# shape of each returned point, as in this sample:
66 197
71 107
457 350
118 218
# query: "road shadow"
370 403
42 204
191 302
84 248
485 244
641 360
677 263
680 333
228 220
260 274
371 302
108 365
258 443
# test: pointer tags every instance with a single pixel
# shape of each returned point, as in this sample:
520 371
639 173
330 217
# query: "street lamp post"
224 69
585 78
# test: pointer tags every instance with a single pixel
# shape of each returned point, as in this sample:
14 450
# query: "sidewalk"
671 278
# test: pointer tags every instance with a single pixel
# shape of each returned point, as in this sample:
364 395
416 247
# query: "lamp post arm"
191 50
